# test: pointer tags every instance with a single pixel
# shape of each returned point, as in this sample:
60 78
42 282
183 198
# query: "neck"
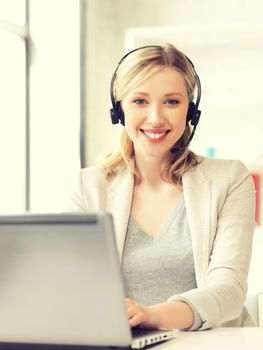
150 171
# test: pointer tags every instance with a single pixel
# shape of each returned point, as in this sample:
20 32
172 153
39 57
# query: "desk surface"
249 338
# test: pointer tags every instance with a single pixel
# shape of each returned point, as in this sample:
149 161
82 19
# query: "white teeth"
154 135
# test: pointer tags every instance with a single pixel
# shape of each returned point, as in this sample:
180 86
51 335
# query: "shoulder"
223 171
93 174
90 191
218 167
94 177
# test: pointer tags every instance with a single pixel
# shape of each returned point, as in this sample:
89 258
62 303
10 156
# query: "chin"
157 154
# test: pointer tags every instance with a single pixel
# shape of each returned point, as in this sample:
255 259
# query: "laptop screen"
60 280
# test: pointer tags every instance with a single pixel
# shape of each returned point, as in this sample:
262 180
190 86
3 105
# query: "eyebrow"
174 93
166 95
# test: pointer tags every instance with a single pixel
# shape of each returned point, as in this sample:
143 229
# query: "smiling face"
155 113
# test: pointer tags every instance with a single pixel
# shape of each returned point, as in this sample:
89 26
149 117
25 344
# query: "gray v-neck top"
158 267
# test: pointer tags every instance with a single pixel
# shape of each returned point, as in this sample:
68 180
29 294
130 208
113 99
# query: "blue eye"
139 101
171 101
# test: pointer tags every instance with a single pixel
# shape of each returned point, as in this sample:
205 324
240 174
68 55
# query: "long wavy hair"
135 68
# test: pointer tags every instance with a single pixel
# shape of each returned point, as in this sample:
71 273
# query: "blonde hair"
134 69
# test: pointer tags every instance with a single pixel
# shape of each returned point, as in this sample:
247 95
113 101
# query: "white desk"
250 338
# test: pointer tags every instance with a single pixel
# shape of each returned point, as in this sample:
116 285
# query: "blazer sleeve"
221 298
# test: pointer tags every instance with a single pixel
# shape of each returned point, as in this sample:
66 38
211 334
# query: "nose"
155 116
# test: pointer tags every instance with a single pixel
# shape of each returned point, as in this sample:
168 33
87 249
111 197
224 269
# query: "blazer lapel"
119 205
197 193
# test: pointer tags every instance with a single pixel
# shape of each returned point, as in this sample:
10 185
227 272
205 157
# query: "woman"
184 223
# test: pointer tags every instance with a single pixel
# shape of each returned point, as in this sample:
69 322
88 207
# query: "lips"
155 136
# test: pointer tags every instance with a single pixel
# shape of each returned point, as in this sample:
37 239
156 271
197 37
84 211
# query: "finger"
137 319
129 302
132 310
130 313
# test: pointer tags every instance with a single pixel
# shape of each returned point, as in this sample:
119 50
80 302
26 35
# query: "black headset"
193 113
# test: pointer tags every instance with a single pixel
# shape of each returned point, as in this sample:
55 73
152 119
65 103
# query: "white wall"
255 280
228 60
108 24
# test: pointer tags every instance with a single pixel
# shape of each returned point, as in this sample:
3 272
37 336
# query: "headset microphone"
174 150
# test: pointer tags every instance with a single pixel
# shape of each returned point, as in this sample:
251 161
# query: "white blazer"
220 204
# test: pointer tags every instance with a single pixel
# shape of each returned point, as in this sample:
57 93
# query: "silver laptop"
60 283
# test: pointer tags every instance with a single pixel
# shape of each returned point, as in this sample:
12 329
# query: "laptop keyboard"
140 332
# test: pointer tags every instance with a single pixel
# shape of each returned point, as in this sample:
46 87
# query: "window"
40 103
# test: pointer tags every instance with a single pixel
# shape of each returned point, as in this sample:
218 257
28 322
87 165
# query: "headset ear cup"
116 114
190 112
193 114
114 117
121 114
195 117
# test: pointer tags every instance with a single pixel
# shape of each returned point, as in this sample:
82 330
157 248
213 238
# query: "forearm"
170 315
